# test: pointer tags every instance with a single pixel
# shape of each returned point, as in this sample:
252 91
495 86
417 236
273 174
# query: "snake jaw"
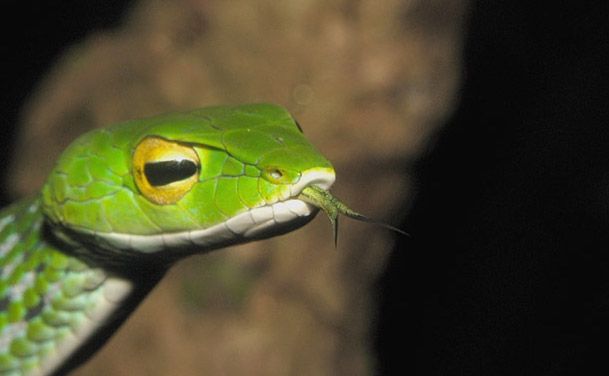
332 206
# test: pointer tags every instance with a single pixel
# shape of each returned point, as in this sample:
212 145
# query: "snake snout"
323 178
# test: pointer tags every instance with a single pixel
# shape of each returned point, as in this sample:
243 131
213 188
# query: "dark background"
33 35
507 268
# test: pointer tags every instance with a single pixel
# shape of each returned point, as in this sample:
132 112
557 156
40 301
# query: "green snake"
123 203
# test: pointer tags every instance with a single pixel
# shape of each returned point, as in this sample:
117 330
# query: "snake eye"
164 171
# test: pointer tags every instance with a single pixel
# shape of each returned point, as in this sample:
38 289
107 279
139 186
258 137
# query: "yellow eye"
164 170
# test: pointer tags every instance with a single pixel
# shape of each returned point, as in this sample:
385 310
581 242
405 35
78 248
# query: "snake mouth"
306 198
256 223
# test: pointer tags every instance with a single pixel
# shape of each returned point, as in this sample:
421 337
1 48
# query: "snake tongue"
332 206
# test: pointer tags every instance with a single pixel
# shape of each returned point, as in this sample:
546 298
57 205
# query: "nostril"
279 175
276 174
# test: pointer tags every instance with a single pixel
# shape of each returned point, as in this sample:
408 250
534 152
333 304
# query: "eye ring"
164 171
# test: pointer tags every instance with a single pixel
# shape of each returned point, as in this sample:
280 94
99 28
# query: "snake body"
123 203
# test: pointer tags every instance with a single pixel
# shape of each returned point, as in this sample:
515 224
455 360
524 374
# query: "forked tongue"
332 206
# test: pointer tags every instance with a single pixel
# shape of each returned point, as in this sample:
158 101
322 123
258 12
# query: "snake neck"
53 298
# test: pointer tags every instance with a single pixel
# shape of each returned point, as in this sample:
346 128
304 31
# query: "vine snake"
123 203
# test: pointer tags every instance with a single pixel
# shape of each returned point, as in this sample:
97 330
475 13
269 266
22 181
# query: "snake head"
183 183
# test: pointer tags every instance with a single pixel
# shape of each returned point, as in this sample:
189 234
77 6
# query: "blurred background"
479 127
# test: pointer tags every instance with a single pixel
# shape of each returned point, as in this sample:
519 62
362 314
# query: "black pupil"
166 172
